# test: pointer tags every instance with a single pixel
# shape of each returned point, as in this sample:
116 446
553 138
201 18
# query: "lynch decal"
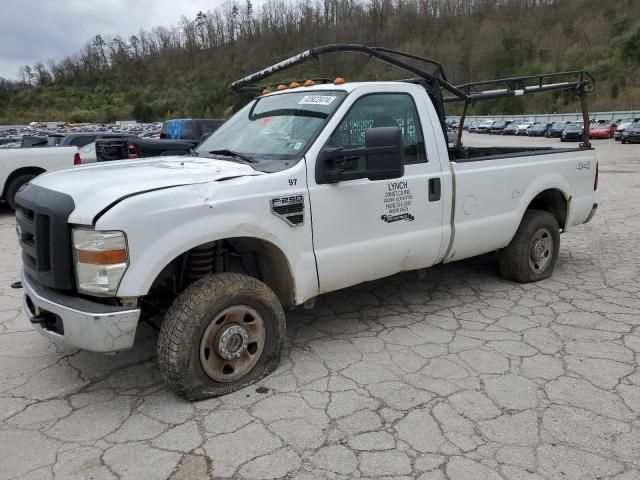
398 200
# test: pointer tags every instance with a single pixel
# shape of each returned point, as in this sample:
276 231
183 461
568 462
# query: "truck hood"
94 187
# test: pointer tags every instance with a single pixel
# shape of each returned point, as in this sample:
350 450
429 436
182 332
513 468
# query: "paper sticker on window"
316 100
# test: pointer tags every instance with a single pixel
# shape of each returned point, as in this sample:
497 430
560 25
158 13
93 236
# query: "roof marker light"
309 83
294 85
281 87
266 91
339 81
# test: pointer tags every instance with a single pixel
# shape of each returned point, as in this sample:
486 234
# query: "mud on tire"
188 338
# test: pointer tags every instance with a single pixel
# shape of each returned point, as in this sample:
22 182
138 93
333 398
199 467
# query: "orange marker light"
309 83
265 91
105 257
339 81
281 87
294 85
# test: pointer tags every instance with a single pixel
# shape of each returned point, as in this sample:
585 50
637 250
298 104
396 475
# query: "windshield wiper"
231 153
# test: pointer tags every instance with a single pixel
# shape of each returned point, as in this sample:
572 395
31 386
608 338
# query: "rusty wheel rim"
541 250
232 343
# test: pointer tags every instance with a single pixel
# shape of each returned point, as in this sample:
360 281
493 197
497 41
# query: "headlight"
101 259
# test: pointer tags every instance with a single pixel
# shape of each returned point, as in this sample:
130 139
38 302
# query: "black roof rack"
434 79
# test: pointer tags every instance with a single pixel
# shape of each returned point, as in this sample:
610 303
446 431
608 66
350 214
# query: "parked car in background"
538 129
631 134
177 137
21 165
498 126
572 132
555 130
485 126
522 128
189 128
509 129
621 128
473 127
602 130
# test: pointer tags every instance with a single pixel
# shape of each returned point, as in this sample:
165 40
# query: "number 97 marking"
293 181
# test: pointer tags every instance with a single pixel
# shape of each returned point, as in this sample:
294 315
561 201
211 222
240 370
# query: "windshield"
277 127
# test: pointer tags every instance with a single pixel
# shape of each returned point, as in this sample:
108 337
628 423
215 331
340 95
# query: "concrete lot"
460 375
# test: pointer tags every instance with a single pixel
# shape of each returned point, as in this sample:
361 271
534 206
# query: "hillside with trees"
185 69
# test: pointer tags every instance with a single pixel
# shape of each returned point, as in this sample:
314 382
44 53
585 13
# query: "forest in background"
185 69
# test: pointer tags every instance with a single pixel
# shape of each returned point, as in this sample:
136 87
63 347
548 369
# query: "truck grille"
45 236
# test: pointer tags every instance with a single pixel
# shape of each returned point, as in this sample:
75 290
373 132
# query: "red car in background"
602 130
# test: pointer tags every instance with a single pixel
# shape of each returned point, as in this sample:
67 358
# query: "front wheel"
222 333
533 251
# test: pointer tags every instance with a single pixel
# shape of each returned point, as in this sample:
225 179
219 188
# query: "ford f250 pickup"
308 189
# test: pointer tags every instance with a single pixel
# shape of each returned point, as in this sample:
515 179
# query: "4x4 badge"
583 165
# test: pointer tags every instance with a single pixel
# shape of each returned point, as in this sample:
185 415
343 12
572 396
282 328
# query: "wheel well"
255 257
272 266
552 201
21 171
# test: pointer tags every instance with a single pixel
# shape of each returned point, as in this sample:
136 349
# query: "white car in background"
522 128
21 165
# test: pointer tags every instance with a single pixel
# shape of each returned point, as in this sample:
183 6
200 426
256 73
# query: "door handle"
435 189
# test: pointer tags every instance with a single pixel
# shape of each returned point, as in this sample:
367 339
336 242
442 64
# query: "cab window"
382 110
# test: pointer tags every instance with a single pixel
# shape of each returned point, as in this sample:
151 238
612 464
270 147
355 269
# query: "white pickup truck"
304 191
20 165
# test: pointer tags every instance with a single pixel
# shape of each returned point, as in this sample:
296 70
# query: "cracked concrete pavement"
458 375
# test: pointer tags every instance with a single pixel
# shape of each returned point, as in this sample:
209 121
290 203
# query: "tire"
623 141
533 252
191 341
562 139
14 186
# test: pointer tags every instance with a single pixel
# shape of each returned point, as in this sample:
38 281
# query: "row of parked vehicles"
625 130
41 152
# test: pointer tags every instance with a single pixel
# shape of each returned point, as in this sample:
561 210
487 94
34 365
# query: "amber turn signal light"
104 257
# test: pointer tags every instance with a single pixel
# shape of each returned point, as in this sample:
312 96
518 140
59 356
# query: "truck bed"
475 154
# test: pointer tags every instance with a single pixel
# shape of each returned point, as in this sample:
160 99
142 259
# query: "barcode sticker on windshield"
316 100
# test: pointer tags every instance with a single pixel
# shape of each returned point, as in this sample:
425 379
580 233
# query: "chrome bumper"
79 322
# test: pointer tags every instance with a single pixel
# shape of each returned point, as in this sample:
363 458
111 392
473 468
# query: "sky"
37 30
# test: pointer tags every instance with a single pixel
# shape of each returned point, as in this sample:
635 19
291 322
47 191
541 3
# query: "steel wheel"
232 343
540 250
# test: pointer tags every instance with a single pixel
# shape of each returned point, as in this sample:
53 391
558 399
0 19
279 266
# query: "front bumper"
79 322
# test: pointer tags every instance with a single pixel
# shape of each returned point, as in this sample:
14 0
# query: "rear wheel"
623 141
533 251
14 186
222 333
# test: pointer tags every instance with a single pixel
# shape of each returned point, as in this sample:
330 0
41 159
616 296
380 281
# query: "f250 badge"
290 209
583 165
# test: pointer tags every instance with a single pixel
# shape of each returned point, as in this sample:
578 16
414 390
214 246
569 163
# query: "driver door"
365 229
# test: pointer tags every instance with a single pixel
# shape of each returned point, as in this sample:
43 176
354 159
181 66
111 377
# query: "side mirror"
380 159
385 157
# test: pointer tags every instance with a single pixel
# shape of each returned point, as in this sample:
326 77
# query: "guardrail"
552 117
